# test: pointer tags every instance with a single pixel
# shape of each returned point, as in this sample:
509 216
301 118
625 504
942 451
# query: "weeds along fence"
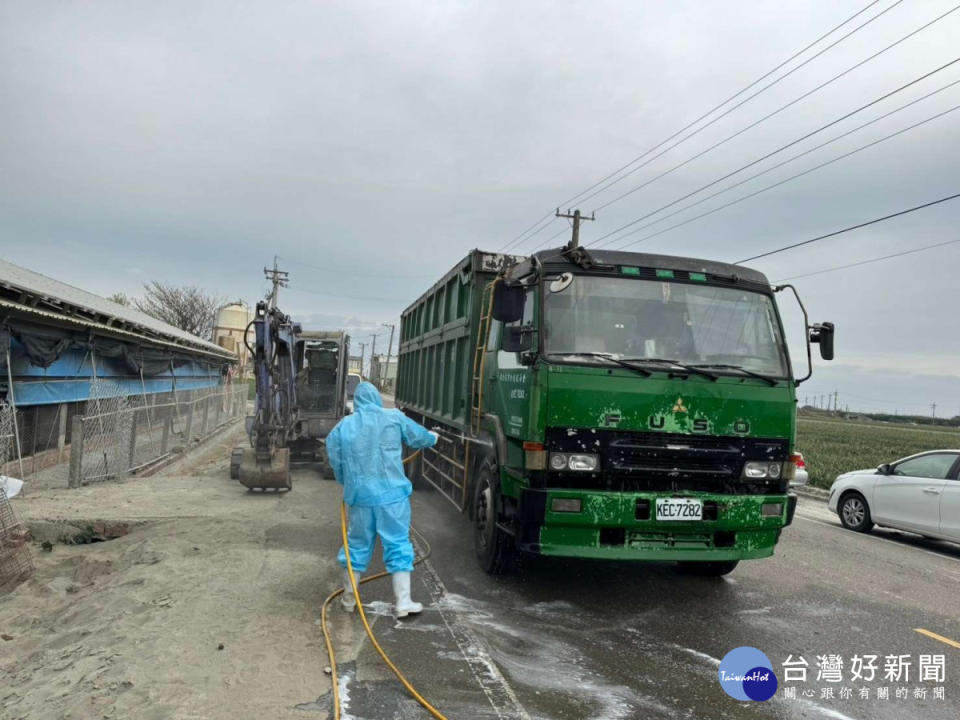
113 434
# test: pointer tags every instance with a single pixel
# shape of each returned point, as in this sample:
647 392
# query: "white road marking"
494 685
815 517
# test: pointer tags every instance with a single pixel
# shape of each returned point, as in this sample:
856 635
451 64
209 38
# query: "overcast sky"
371 145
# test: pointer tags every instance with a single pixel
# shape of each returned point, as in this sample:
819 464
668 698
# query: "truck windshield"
646 319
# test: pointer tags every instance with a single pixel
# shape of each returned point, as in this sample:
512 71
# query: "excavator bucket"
272 475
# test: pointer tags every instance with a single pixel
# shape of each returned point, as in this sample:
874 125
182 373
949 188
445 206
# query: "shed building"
57 340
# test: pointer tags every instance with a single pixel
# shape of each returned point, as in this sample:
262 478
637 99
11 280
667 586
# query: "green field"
831 447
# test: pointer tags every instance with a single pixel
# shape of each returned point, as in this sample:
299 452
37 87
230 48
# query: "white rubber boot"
347 600
401 590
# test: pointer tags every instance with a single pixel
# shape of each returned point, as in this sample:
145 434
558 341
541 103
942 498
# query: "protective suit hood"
366 396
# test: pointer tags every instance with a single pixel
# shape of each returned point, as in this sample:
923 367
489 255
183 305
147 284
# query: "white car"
800 475
919 494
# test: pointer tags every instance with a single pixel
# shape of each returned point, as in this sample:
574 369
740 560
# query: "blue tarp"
68 378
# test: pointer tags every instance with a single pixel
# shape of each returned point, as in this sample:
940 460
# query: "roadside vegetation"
831 447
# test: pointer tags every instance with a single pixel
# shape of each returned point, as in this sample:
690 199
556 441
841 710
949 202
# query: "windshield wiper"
695 369
613 359
771 381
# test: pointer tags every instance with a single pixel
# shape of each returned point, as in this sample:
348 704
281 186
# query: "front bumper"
620 526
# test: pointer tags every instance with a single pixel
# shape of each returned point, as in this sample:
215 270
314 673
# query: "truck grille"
665 461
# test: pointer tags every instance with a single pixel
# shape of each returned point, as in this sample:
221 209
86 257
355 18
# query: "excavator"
265 464
301 395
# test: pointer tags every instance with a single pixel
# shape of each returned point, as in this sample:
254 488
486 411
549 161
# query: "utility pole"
373 355
577 219
386 370
933 409
279 279
363 347
835 398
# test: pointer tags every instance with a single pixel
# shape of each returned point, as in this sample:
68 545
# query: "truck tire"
494 548
714 568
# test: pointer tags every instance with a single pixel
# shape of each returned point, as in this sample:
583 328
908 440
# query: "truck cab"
633 406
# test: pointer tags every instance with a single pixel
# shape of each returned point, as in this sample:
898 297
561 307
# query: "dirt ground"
207 608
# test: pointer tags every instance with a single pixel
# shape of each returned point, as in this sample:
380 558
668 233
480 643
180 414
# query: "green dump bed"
438 336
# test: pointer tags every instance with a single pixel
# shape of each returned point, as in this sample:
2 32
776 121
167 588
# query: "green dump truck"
607 404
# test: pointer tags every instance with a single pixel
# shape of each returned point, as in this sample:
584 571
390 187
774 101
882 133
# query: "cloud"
372 145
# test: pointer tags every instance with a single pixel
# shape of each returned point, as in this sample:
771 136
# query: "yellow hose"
366 625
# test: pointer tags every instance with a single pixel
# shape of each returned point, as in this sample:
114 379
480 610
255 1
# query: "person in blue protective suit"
364 450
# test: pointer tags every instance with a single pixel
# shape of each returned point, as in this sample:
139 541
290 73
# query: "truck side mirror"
823 334
517 339
508 302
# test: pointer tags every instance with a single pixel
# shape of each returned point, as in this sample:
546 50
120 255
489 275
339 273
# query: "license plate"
679 509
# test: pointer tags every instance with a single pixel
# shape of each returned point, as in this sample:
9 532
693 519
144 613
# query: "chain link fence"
16 563
114 434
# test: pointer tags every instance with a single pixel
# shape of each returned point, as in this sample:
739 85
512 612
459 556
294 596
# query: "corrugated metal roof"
58 300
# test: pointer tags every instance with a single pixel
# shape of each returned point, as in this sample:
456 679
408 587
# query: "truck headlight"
579 462
762 470
584 463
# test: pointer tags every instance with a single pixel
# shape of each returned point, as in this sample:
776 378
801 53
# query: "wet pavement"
564 639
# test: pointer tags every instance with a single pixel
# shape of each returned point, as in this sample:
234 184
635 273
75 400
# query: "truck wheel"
709 569
855 513
493 546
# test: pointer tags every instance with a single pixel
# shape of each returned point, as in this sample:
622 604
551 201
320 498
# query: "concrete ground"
133 627
578 639
207 608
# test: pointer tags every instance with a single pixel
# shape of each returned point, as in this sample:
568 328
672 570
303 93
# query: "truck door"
909 497
508 380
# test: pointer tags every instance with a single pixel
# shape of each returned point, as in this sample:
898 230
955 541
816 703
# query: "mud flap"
791 508
530 514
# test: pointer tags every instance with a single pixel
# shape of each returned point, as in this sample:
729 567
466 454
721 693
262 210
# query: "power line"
867 262
787 161
532 235
848 229
522 237
345 297
578 197
570 201
334 271
547 241
784 181
766 117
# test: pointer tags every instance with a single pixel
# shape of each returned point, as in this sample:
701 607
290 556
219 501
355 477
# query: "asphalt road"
578 639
